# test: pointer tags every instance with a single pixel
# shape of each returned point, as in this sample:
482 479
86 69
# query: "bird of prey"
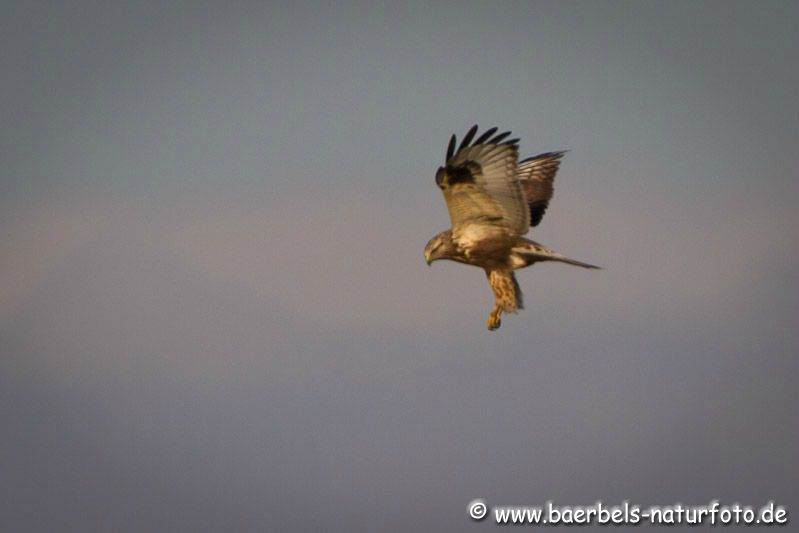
493 199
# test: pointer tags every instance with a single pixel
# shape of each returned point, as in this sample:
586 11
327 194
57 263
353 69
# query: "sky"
214 307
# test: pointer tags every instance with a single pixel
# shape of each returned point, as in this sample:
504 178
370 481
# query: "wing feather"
486 134
536 176
498 138
451 147
480 184
468 138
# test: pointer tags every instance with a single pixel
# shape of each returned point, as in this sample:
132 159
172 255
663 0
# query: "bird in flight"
493 199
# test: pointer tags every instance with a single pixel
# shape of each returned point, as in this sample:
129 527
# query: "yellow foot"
494 322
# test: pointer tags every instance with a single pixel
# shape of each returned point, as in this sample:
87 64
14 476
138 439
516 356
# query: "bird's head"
439 247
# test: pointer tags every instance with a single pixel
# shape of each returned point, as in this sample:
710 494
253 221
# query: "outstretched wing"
480 187
535 176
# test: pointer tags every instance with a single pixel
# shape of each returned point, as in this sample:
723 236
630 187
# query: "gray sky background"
214 309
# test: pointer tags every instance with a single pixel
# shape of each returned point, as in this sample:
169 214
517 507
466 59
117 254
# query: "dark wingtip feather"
498 138
484 137
468 138
450 148
537 213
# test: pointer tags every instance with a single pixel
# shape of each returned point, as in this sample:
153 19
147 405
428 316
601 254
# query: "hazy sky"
214 308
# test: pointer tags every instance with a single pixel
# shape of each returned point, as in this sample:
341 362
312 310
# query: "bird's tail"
530 252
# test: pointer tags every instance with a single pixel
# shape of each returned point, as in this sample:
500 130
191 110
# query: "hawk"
493 199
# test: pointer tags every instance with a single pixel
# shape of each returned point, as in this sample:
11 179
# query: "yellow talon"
494 322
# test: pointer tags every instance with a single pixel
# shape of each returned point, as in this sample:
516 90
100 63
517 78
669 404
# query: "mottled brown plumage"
493 199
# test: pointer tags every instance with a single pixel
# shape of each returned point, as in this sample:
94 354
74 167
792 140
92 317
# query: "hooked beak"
427 258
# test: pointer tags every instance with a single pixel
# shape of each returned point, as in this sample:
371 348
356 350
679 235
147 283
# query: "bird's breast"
484 246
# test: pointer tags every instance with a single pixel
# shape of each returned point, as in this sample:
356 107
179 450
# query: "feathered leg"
507 294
